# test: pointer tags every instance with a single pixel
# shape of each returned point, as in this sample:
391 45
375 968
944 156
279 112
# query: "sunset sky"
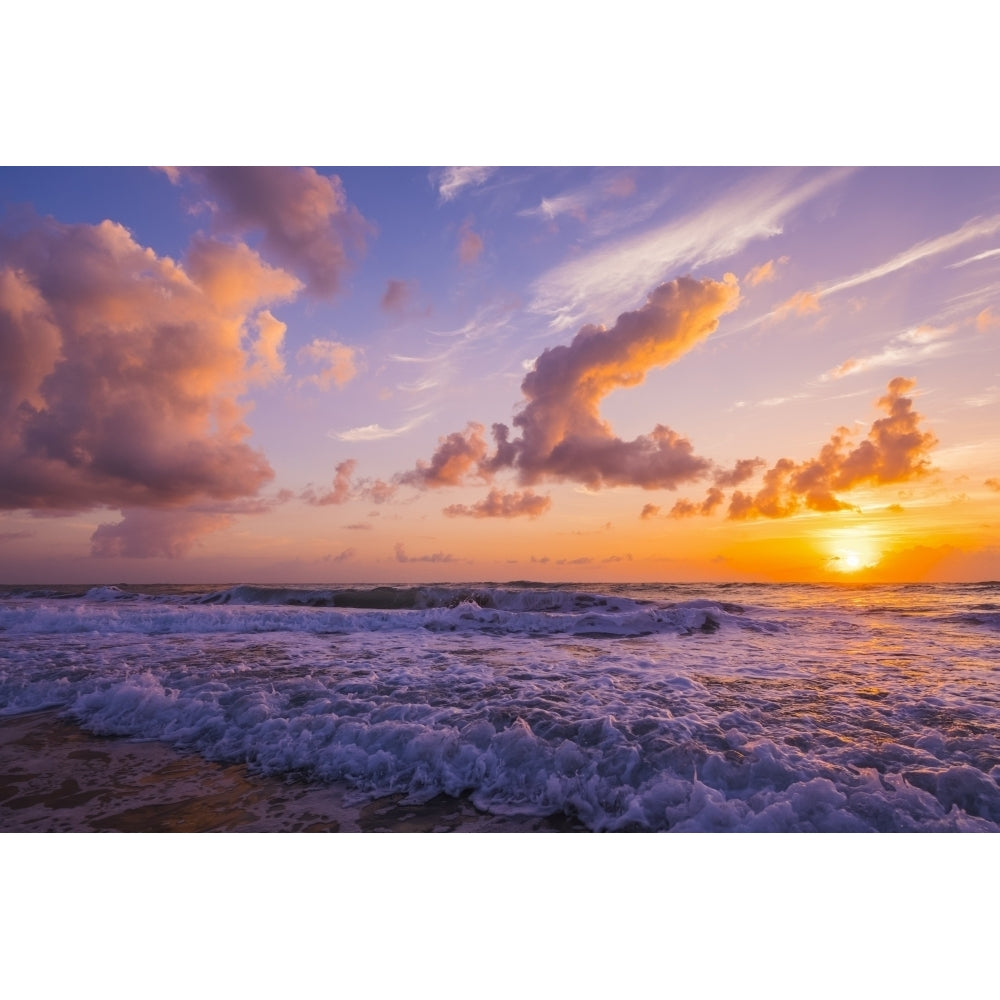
467 373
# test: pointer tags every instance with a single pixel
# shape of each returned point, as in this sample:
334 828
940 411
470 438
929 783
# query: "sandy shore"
54 777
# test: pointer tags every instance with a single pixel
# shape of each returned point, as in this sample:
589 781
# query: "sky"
402 374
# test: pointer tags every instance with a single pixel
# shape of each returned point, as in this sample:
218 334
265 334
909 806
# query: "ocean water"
624 707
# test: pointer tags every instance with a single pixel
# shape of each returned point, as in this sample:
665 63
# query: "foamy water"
736 707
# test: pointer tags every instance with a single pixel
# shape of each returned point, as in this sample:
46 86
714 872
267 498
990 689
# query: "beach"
486 707
57 778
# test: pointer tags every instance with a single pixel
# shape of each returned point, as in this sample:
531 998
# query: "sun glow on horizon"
852 550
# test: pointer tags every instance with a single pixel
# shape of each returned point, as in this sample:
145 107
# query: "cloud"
268 363
971 230
987 320
397 295
121 372
376 432
470 244
649 510
306 222
339 363
993 484
562 434
764 272
500 504
986 254
579 201
685 508
603 282
895 450
458 455
143 533
743 470
451 181
800 304
345 487
437 557
910 347
14 536
341 490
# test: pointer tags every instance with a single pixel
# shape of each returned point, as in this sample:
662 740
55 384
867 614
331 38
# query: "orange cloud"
987 320
500 504
470 244
800 304
685 508
894 451
764 272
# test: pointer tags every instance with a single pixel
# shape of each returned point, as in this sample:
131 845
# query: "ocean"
625 707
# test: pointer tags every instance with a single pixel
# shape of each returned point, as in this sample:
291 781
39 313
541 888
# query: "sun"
852 551
851 561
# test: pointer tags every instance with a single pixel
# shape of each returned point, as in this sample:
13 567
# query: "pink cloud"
458 455
436 557
562 433
122 371
500 504
341 490
305 219
743 470
397 294
338 363
470 243
144 533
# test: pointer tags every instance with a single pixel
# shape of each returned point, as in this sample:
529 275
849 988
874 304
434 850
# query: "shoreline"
57 778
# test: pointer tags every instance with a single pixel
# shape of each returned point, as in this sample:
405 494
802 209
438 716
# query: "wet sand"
55 777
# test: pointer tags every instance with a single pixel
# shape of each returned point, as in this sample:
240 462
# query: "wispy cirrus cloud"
600 284
580 201
912 346
985 255
972 230
452 181
376 432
